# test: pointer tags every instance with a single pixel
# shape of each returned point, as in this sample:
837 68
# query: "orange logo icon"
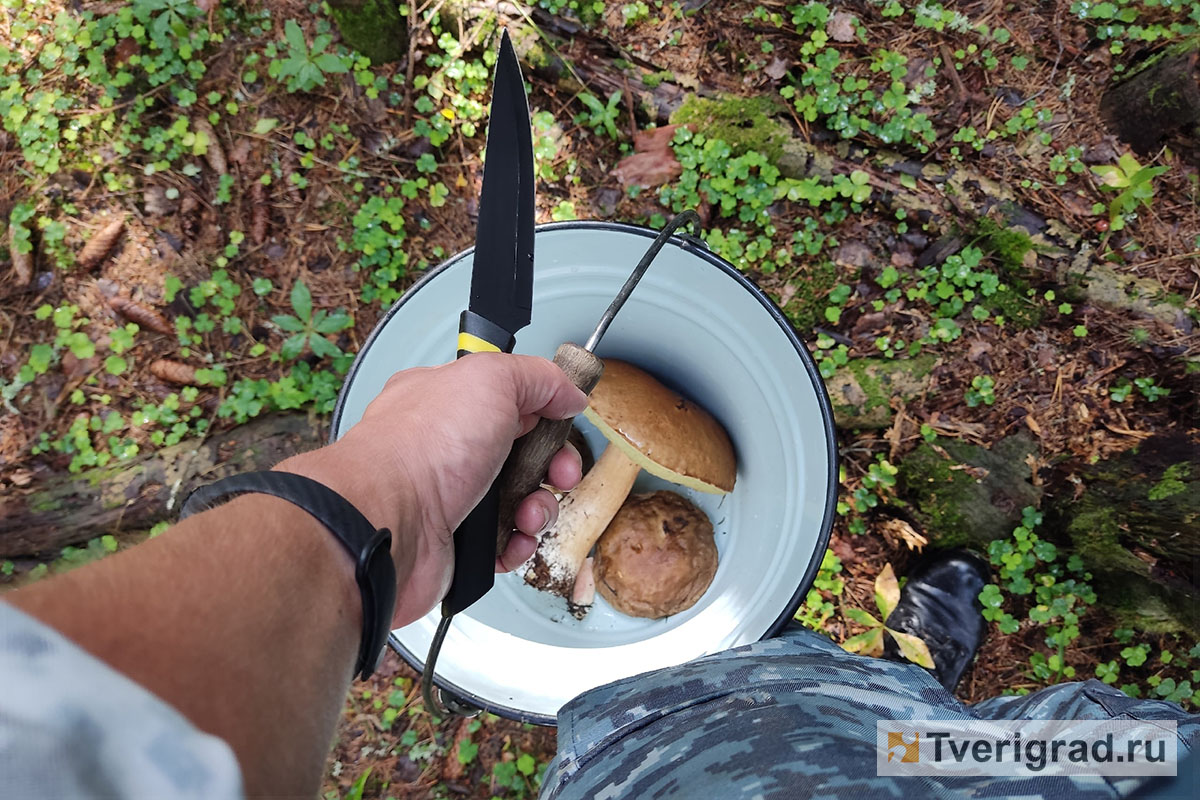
907 752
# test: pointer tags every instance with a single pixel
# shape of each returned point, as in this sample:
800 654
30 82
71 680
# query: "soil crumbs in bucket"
1000 292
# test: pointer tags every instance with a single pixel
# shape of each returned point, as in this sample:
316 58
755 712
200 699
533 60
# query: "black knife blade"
502 274
501 294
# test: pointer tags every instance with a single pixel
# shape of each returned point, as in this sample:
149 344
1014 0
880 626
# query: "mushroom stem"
582 517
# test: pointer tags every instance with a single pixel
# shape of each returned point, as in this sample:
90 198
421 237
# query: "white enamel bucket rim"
692 247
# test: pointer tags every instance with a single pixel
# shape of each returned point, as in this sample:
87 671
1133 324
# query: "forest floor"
278 193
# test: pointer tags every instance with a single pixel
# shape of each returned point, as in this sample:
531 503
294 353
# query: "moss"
1009 246
1172 481
861 391
42 505
1135 529
936 493
374 28
744 123
973 496
806 307
1009 302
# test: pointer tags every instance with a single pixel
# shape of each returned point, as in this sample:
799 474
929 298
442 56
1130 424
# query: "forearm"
246 619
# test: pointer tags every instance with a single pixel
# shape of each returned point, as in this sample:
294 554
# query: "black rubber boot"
940 603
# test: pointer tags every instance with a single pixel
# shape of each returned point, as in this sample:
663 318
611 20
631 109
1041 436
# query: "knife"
501 295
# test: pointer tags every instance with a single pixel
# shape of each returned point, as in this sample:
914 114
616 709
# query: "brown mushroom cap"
657 556
661 431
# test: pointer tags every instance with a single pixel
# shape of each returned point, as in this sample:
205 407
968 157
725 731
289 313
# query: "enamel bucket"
703 329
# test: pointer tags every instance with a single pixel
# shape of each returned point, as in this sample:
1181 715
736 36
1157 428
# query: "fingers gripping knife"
500 305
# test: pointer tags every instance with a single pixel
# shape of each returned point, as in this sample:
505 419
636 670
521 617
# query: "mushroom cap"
661 431
657 556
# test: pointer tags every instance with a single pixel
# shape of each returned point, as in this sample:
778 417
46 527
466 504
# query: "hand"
427 449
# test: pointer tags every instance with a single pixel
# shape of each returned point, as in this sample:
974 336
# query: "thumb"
542 389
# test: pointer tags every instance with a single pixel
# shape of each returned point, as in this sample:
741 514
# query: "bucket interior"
701 329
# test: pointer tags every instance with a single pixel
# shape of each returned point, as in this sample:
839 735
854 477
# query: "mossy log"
1158 99
967 495
374 28
1137 527
863 390
65 509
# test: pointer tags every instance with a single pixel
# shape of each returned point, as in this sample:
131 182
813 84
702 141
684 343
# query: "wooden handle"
526 466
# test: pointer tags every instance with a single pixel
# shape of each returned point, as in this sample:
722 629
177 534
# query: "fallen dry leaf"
842 549
853 254
977 350
99 245
1032 424
126 49
776 69
452 766
900 530
1035 476
841 27
207 5
648 169
145 316
241 150
74 367
22 263
155 201
260 213
174 372
651 139
214 155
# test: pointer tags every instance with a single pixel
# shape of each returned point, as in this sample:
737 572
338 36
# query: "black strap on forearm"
374 570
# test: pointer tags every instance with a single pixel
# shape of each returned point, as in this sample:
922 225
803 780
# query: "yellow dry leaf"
887 591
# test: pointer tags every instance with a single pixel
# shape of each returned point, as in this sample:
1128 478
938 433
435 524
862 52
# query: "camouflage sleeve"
788 717
70 726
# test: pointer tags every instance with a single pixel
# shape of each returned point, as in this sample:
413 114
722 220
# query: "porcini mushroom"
648 427
657 556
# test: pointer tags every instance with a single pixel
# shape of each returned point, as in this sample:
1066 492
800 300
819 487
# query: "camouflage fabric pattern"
72 727
795 716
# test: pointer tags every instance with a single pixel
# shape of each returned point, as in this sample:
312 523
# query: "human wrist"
342 466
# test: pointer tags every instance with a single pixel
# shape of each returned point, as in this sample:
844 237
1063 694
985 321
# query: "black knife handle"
478 334
474 554
475 538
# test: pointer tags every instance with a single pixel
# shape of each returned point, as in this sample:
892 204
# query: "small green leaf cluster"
1146 385
1050 594
600 116
743 188
1134 185
589 12
868 492
1123 22
303 68
982 391
378 240
309 329
520 777
819 603
829 357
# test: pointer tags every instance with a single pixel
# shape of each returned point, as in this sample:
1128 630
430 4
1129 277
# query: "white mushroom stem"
582 517
584 593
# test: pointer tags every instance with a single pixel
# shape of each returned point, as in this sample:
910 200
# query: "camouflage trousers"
795 716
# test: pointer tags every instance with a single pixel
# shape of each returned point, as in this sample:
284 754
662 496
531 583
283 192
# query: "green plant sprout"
1134 185
308 328
600 116
303 68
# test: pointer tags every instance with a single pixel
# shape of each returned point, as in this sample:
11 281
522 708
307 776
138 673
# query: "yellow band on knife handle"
470 343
